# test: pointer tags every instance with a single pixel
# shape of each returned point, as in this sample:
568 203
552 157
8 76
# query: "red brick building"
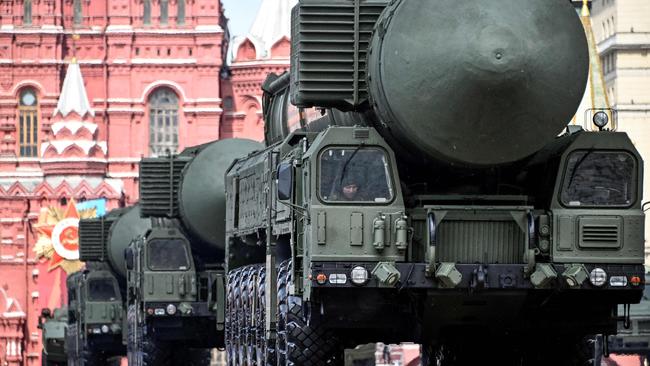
87 89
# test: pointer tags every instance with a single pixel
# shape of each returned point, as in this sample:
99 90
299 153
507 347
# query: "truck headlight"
171 309
598 277
359 275
104 328
600 119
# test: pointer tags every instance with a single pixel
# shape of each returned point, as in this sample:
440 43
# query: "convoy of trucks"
418 184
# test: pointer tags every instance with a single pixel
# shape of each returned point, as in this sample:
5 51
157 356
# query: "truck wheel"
231 309
245 331
133 355
301 342
265 348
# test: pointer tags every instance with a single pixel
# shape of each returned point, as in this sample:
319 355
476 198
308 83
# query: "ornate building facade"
622 32
265 49
86 90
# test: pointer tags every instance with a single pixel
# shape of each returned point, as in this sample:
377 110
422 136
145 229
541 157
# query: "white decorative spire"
73 95
272 23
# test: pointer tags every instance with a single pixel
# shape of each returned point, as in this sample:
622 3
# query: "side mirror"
128 259
285 181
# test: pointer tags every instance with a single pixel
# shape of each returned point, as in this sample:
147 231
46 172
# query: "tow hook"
626 316
479 278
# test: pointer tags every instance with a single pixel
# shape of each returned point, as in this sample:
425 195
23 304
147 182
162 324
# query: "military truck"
433 202
95 318
448 208
97 326
176 272
53 325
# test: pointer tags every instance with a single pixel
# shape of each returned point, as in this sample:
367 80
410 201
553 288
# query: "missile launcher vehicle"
176 272
451 206
419 184
96 331
53 324
95 318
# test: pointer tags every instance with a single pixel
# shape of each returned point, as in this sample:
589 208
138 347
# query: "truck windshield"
359 174
101 289
168 255
599 178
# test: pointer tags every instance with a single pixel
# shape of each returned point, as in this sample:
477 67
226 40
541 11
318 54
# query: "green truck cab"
53 325
95 318
97 295
171 296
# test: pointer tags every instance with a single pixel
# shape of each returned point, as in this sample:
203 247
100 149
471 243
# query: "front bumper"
474 277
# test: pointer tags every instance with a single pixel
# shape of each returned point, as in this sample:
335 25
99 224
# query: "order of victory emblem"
58 240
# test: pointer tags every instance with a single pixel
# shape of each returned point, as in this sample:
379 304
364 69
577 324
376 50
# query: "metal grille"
480 242
599 236
93 234
163 122
159 184
330 40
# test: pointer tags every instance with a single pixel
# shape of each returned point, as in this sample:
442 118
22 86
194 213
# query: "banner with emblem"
57 246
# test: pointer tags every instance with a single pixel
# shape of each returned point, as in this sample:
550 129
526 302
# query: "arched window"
163 122
28 123
27 12
146 15
180 15
78 16
164 12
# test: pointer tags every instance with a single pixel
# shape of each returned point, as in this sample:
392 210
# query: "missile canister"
194 193
475 83
104 239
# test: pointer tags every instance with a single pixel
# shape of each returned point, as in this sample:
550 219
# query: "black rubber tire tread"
231 317
281 318
265 347
305 344
252 310
245 341
134 333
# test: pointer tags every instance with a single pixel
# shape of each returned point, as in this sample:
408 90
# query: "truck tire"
231 318
245 331
301 342
265 348
133 355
